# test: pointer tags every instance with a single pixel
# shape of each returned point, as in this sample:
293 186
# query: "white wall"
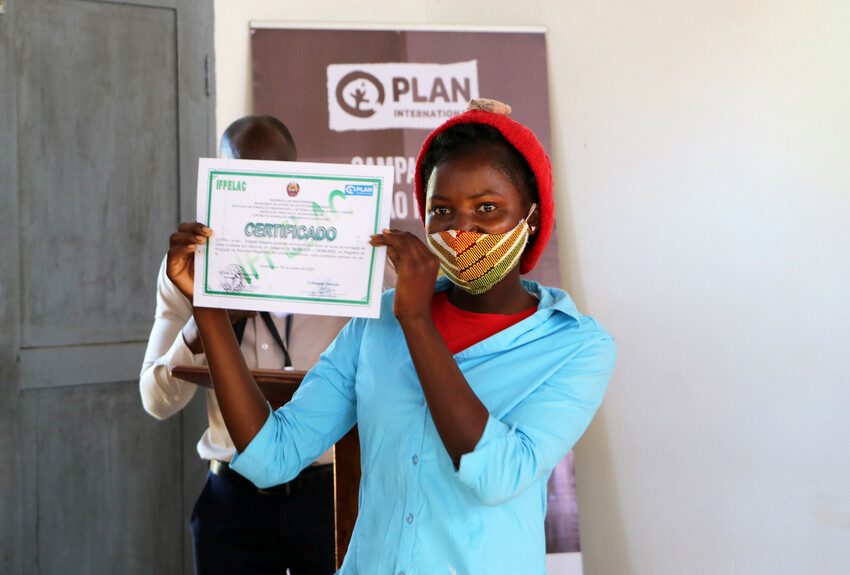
702 154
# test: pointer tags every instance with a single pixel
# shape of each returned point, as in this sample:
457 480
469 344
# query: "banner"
370 96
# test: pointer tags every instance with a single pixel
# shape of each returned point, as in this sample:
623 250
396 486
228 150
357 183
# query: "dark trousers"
240 530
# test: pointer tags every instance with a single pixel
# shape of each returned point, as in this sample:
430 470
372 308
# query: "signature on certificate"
323 288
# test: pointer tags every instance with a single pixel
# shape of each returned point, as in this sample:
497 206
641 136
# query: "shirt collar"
552 299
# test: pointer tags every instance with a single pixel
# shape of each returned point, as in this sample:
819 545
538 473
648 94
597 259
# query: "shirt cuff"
472 464
253 462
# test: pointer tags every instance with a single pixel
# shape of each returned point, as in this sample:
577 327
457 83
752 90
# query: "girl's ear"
534 221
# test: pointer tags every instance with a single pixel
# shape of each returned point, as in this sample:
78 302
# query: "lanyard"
239 329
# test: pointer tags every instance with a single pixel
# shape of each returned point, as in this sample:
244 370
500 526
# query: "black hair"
463 140
247 123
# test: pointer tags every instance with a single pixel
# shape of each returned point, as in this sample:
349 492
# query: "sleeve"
163 395
321 411
533 437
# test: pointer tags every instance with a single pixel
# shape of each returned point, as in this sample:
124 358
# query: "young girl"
468 389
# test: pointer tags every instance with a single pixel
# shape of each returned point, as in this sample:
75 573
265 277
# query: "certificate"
292 237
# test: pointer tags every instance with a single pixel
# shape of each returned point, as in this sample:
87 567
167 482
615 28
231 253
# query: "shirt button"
410 517
401 573
265 346
415 459
422 401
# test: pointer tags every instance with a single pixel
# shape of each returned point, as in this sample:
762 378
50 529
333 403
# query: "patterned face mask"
476 262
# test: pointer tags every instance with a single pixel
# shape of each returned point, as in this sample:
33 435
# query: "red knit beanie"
527 144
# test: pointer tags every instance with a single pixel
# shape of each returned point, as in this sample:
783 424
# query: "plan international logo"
398 95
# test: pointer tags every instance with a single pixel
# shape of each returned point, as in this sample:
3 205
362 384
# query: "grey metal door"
104 110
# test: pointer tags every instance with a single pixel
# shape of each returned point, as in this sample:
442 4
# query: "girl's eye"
487 207
440 211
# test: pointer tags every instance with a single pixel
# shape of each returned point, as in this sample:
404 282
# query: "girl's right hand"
180 265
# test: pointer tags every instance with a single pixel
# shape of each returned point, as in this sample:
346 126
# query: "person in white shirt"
289 526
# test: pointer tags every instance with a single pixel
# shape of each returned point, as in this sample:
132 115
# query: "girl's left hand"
417 269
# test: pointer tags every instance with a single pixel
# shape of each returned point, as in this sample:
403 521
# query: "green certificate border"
364 302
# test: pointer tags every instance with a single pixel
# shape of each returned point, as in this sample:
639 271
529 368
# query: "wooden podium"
278 386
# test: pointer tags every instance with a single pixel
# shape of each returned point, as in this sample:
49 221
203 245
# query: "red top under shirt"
462 329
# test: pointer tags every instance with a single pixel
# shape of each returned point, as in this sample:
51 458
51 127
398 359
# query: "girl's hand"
417 269
180 264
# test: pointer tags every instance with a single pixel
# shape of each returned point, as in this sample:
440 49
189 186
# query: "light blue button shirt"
541 379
